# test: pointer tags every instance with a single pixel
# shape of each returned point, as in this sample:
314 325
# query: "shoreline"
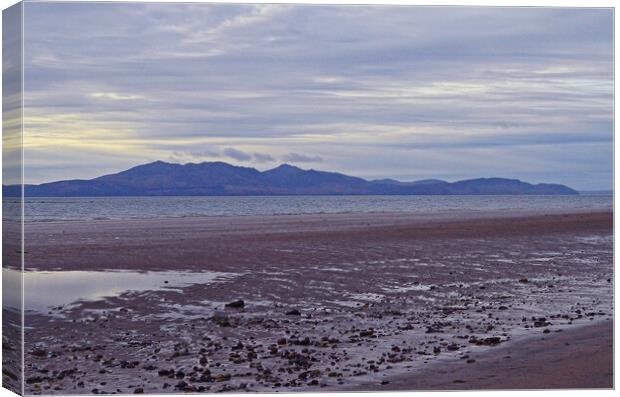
426 216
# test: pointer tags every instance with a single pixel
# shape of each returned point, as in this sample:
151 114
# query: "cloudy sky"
399 92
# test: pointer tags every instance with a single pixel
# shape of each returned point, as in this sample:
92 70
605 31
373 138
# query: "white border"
525 3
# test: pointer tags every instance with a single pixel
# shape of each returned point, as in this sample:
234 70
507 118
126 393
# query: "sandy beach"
581 357
327 302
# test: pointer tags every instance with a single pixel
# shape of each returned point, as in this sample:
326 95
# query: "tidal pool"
47 289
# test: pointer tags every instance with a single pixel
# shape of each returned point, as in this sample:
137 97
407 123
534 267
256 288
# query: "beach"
578 358
373 301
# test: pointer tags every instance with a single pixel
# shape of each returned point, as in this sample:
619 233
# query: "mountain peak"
286 166
158 163
284 169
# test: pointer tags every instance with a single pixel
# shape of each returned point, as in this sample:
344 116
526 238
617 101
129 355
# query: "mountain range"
221 179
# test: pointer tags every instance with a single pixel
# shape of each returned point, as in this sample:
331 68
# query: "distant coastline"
222 179
596 192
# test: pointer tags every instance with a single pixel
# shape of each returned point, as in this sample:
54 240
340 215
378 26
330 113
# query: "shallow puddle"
45 290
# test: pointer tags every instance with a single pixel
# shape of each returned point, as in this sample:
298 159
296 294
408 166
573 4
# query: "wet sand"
329 302
196 243
581 357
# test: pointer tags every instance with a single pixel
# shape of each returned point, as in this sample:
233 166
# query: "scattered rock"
453 347
38 353
541 322
367 333
165 372
238 304
222 377
490 341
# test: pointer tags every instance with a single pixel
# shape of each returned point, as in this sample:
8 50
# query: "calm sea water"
92 208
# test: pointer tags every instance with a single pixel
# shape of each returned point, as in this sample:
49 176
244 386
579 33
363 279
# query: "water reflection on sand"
48 289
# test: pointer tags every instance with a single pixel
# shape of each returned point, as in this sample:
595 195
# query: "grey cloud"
203 155
237 154
347 84
263 158
301 158
184 156
240 155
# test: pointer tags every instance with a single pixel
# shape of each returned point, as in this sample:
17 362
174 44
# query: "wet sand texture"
577 358
11 319
338 302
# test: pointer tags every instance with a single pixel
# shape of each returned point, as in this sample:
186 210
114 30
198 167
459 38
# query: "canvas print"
204 197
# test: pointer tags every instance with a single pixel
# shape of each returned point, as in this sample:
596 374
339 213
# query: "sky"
372 91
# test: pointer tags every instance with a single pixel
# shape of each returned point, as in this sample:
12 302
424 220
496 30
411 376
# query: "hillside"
221 179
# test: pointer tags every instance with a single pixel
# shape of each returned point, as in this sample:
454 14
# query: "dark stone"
453 347
34 379
293 312
304 342
367 333
490 341
238 304
38 353
165 372
205 378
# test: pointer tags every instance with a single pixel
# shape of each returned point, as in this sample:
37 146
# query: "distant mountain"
222 179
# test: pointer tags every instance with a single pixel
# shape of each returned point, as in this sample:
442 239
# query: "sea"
118 208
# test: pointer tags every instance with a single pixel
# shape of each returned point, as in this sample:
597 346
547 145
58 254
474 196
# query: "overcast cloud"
376 92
